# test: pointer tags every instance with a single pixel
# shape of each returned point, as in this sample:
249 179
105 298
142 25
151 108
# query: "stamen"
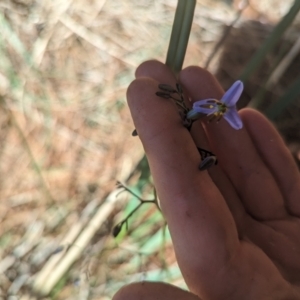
220 116
211 118
206 106
215 109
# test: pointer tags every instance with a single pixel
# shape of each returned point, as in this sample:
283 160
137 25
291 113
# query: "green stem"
180 34
177 24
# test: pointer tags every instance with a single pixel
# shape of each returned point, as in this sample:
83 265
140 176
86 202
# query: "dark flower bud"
117 229
163 95
167 88
207 162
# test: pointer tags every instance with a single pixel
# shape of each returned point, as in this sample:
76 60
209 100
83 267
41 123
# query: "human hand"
235 227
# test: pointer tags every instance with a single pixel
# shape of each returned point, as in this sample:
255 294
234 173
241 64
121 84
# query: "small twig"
124 187
41 44
117 228
283 65
226 32
94 39
43 285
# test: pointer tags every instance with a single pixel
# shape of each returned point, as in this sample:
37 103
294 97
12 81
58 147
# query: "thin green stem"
180 34
175 35
225 34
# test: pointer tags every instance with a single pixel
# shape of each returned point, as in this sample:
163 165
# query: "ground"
66 140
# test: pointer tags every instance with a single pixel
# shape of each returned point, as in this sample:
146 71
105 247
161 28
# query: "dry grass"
65 135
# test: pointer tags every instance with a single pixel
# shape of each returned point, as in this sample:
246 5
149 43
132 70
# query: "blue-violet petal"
231 97
233 118
207 106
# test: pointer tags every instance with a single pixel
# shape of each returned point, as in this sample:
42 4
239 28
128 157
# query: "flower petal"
194 115
231 97
207 106
233 118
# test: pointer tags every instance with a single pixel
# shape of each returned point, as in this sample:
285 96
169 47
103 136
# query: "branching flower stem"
119 226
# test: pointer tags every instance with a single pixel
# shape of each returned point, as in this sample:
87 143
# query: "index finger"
198 217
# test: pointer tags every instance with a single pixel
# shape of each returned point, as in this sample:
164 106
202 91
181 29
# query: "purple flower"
216 109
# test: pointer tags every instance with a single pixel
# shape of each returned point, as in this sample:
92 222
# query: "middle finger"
237 155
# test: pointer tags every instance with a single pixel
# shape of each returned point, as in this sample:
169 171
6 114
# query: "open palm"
236 227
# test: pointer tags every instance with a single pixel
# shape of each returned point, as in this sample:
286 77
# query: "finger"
158 71
238 157
153 290
217 174
197 215
276 156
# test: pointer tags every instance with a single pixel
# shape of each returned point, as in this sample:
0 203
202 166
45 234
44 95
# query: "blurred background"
65 131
